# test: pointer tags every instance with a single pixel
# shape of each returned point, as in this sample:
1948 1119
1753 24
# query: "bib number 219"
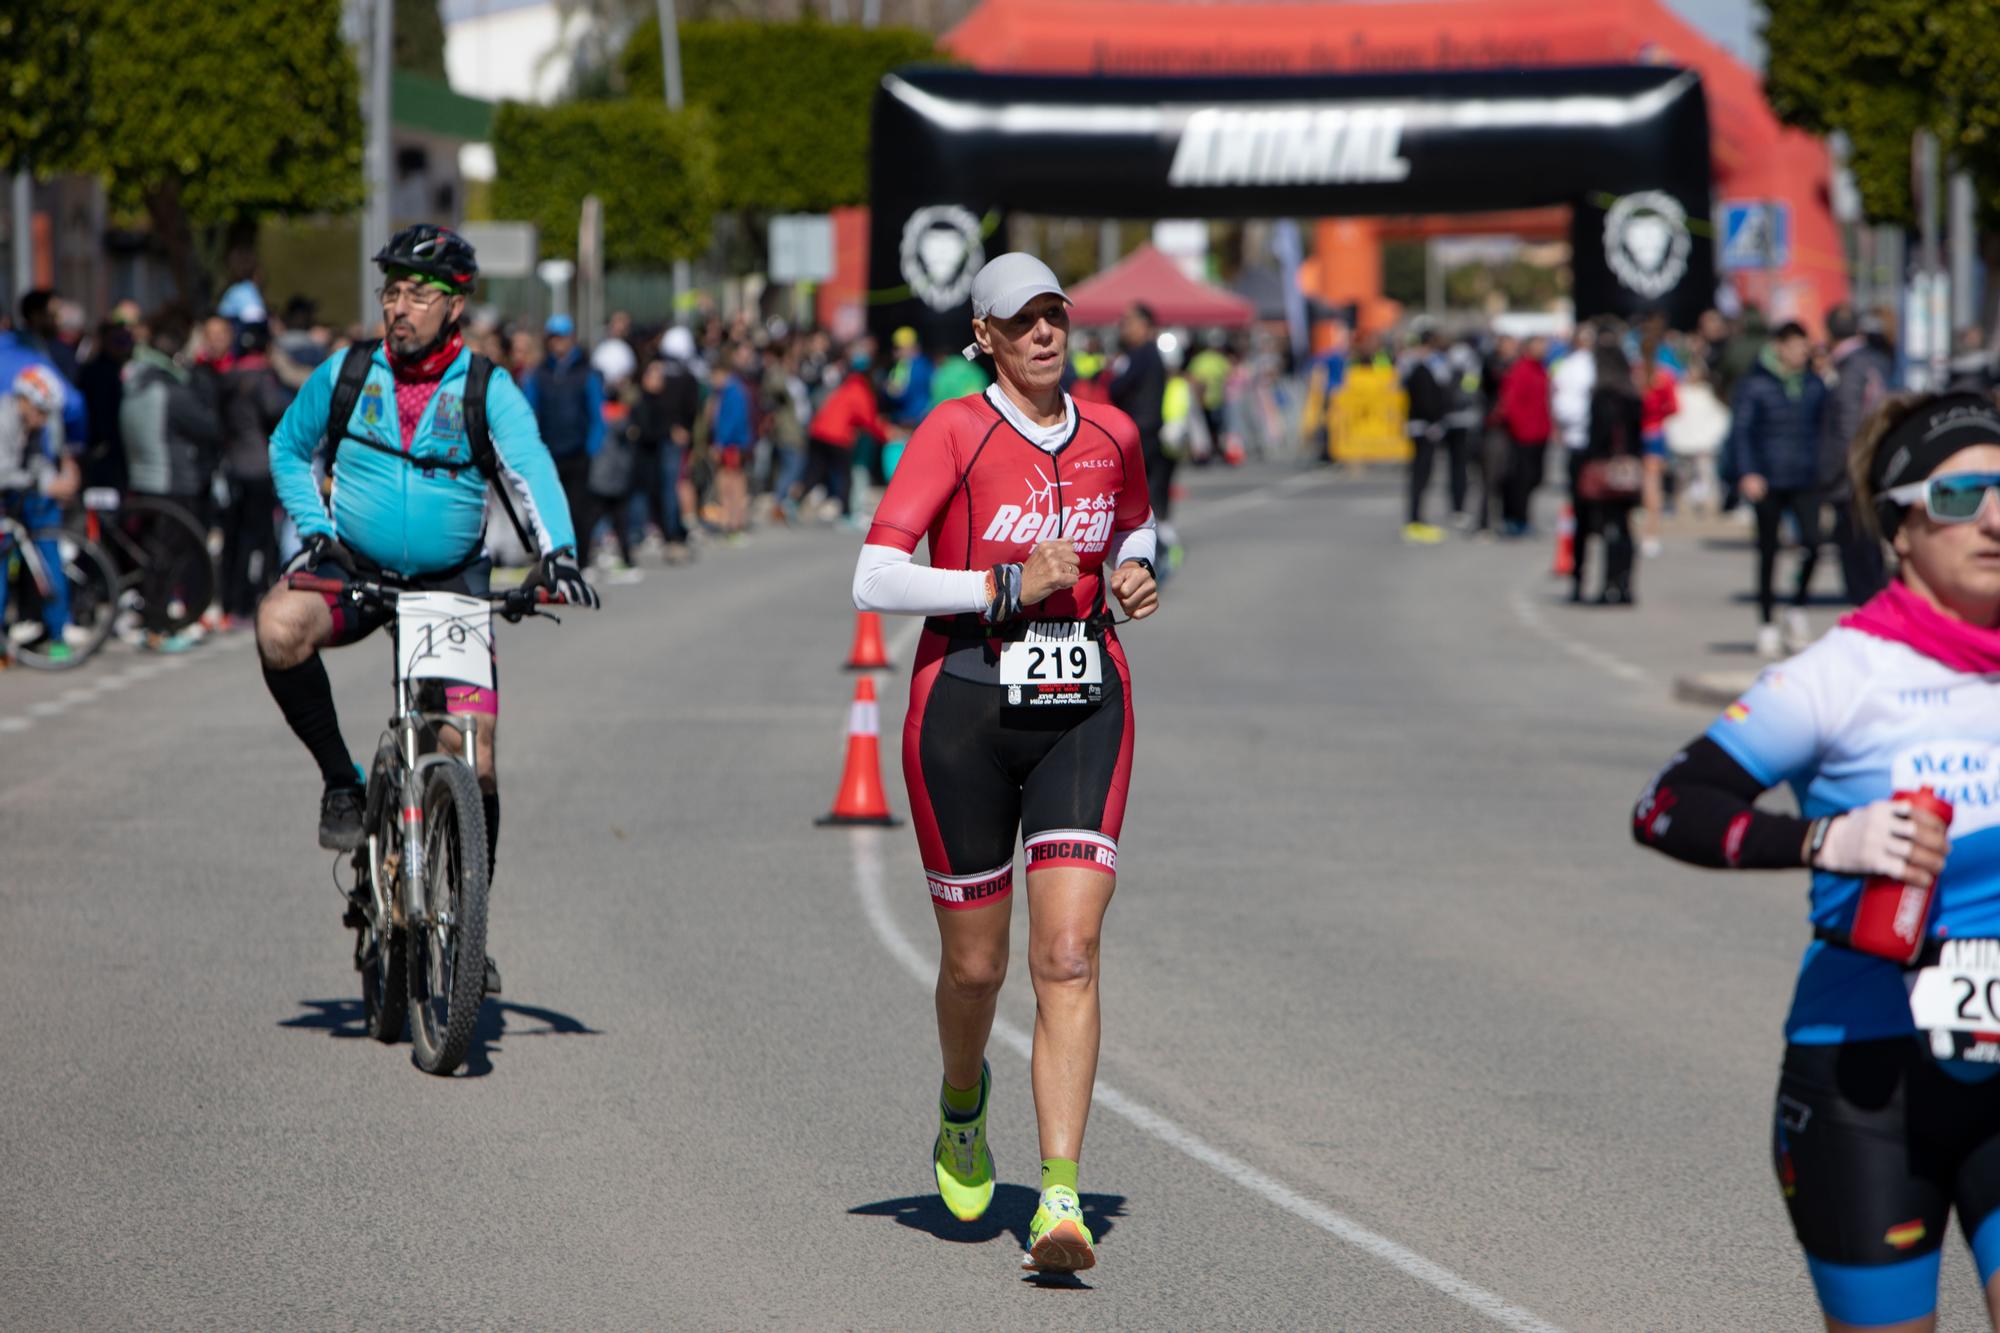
1056 656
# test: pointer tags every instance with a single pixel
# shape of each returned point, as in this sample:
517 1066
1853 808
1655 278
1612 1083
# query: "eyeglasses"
1956 497
415 295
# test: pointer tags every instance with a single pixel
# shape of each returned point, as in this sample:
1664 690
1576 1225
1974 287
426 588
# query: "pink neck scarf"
1902 616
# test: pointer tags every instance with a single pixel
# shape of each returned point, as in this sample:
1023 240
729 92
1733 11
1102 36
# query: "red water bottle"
1890 921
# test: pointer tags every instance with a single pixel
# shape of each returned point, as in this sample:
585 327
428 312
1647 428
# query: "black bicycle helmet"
431 252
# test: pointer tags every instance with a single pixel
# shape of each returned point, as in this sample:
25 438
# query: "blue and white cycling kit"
1849 721
1876 1143
415 507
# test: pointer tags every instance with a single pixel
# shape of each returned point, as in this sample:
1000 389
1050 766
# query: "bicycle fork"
411 823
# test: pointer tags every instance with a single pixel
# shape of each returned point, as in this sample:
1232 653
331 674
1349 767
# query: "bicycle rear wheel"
381 948
176 561
92 586
447 955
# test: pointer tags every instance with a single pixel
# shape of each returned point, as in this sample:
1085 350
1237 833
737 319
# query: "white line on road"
78 694
1530 615
866 845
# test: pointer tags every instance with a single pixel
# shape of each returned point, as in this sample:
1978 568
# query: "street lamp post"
377 46
670 61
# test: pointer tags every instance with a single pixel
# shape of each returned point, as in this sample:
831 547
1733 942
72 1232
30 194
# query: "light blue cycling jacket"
419 510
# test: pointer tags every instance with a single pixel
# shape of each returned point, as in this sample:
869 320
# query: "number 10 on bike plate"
443 636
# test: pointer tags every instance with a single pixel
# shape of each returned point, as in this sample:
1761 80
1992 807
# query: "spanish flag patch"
1737 711
1905 1234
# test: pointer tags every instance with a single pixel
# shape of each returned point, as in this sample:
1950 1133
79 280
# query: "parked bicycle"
58 611
159 550
417 903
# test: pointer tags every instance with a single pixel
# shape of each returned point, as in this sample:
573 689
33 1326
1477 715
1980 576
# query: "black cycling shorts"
980 772
1874 1145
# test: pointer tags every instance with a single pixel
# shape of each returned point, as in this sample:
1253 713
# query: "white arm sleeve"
1141 543
886 579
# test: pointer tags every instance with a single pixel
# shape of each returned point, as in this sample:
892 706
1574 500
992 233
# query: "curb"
1713 689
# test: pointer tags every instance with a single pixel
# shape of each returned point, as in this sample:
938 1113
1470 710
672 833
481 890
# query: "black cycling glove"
558 573
321 548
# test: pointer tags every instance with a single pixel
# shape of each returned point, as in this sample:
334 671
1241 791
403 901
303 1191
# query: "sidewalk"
1694 629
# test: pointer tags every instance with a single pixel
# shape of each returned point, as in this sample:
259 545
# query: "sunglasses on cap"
1955 497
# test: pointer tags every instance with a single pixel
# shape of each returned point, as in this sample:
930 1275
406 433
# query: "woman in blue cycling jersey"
1888 1108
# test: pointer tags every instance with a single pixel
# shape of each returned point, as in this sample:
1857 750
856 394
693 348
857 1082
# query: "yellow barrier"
1370 418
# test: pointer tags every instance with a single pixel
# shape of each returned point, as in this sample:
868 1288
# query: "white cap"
1007 283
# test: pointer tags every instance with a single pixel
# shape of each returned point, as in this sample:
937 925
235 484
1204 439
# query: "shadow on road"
1012 1209
498 1020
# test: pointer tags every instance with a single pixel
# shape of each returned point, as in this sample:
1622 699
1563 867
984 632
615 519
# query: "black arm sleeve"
1700 810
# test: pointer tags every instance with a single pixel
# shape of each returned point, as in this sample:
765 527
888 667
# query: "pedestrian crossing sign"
1756 234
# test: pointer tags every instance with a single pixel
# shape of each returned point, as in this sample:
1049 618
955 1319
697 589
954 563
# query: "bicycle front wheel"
62 630
447 948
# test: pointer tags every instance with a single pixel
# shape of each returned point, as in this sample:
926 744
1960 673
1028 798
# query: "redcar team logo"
1087 522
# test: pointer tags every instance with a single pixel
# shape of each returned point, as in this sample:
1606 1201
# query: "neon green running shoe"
1058 1241
963 1162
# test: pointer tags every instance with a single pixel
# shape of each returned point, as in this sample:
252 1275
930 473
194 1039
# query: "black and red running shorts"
979 773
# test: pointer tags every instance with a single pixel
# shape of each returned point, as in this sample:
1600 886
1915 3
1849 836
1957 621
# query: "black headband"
1915 448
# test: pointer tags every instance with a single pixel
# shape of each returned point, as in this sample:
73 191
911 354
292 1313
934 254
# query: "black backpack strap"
346 393
479 435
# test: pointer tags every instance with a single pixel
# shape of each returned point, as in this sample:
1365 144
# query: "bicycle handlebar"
516 601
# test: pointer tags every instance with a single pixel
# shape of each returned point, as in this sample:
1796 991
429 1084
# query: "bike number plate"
443 636
1053 663
1956 1002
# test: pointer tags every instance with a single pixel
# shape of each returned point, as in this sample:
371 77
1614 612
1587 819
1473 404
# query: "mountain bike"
81 586
417 900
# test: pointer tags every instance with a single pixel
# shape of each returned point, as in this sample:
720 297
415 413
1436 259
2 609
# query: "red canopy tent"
1175 298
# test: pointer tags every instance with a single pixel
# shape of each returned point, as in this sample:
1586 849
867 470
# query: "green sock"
960 1103
1058 1171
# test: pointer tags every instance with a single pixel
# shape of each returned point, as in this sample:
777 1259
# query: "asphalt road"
1401 1030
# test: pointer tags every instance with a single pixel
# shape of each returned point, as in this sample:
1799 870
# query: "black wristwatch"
1142 560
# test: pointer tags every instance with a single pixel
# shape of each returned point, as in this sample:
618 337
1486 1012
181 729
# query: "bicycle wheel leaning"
447 954
176 564
381 948
92 585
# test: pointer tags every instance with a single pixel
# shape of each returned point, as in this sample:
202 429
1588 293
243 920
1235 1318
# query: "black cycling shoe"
340 819
492 976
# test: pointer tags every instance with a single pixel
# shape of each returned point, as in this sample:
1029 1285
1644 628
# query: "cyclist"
1020 719
408 504
37 477
1881 1127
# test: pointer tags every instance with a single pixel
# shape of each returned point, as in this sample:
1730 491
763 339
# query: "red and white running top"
984 485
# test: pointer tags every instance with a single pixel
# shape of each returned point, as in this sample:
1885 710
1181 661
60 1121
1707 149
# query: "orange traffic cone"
1565 543
861 799
868 652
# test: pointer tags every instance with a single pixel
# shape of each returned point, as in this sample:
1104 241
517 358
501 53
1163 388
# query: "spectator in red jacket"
1523 412
849 411
1659 398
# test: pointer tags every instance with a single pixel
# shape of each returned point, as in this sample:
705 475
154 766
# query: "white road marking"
867 849
1611 664
80 694
866 846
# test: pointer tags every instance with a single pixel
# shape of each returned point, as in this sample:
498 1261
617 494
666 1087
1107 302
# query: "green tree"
653 169
1880 70
44 81
790 102
214 113
419 37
